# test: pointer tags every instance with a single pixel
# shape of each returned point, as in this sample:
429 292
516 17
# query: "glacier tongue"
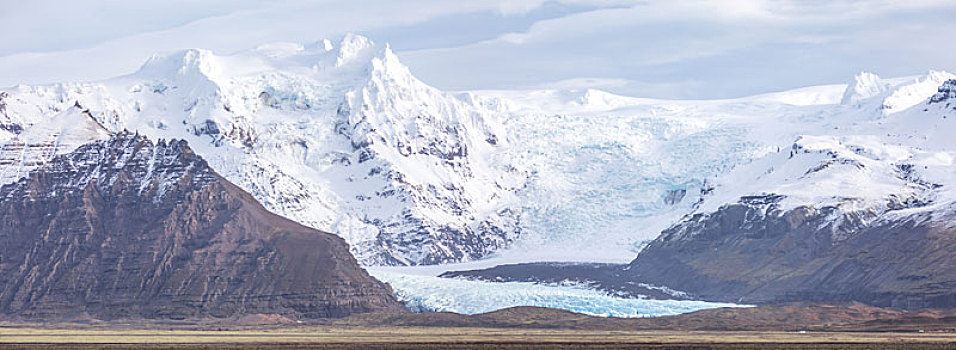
428 293
600 184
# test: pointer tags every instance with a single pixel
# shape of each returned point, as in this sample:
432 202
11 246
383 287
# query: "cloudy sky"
647 48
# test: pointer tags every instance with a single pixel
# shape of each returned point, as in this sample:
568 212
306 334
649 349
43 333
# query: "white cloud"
725 48
60 39
731 47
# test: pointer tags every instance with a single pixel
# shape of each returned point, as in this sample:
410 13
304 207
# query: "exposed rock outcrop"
749 255
126 228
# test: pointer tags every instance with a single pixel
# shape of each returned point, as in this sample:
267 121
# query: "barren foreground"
852 326
460 338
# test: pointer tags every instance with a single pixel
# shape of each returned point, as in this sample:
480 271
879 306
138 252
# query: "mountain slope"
125 228
902 262
343 138
863 217
339 137
39 143
858 207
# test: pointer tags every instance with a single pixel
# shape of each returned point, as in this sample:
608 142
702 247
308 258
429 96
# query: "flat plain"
324 337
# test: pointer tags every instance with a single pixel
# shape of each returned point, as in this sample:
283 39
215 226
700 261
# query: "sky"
685 49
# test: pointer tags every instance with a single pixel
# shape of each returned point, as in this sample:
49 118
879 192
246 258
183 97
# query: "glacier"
600 184
341 136
429 293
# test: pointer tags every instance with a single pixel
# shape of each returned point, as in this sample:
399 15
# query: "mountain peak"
386 63
354 58
864 86
893 95
185 63
351 47
915 91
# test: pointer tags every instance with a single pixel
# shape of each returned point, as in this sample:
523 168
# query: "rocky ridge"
129 228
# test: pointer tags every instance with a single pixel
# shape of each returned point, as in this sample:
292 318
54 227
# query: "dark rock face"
612 278
126 228
756 254
945 93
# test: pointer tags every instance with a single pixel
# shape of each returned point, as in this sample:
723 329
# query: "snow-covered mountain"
866 149
888 149
857 204
862 211
342 137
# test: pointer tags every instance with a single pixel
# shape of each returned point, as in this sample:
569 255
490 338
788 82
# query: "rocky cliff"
128 228
751 254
